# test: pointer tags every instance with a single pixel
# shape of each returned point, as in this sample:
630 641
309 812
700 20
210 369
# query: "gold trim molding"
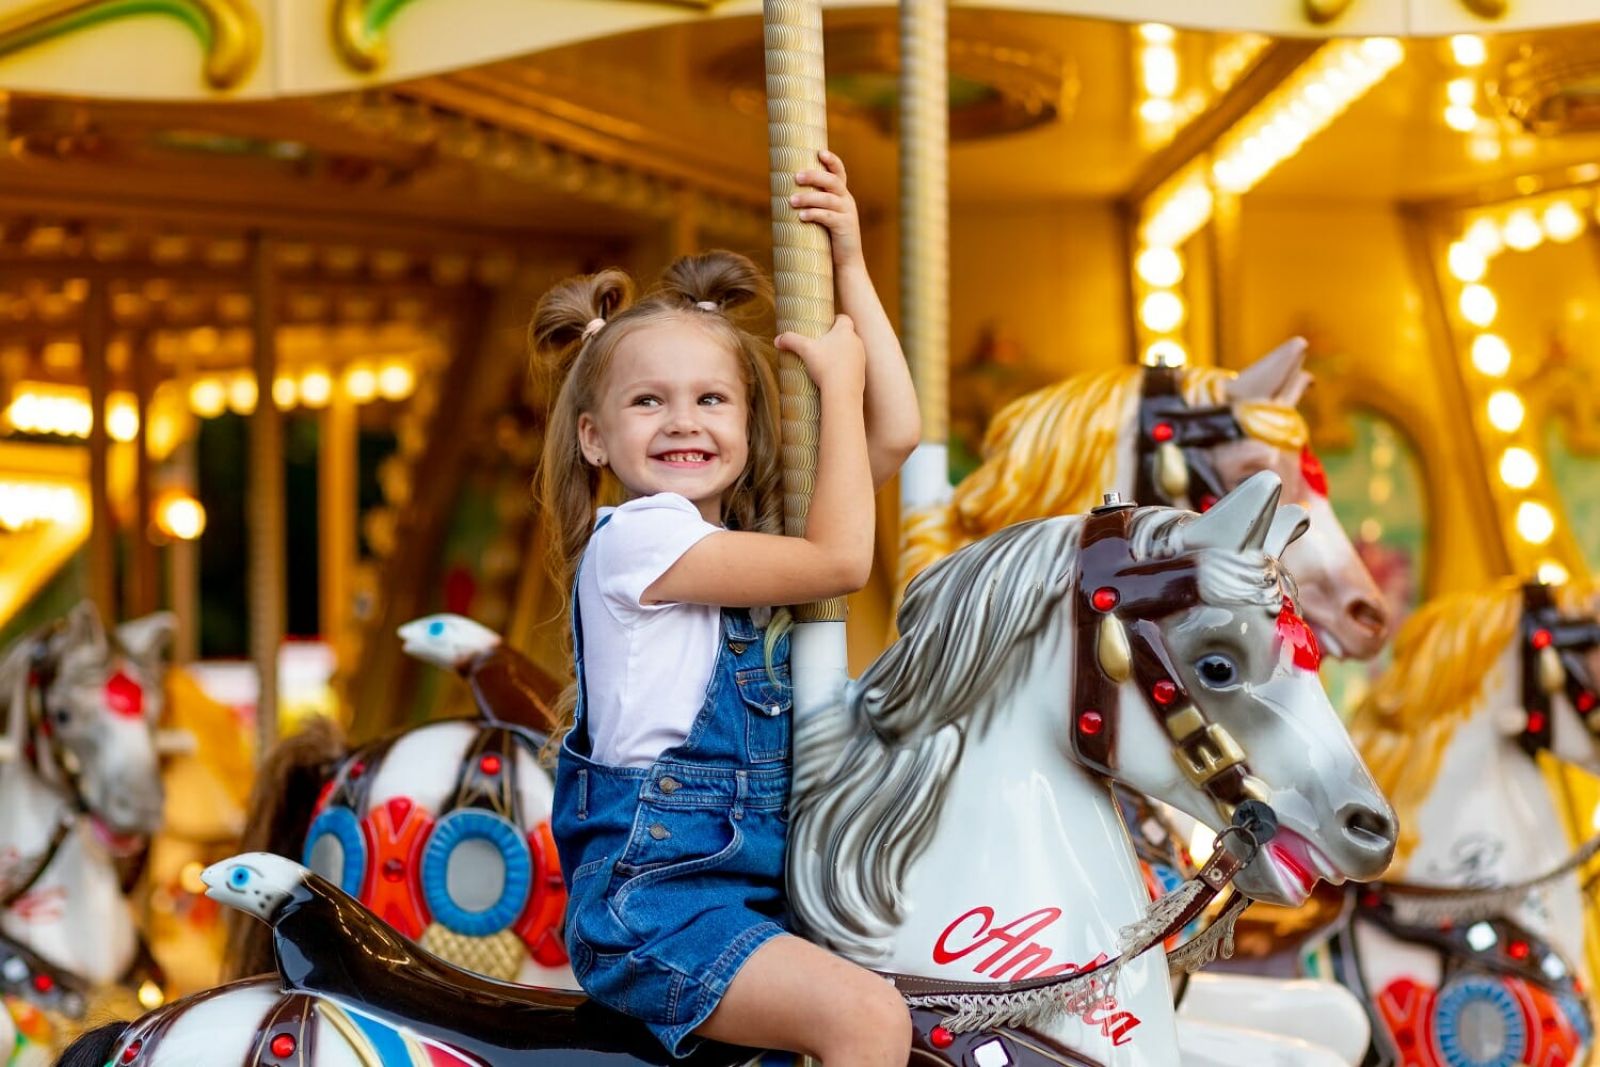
230 30
1323 12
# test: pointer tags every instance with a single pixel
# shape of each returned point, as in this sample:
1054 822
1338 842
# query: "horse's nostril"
1368 615
1368 827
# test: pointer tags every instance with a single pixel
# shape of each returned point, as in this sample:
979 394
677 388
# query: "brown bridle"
1119 600
1552 649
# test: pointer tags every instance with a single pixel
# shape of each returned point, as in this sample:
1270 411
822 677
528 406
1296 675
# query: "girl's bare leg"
795 996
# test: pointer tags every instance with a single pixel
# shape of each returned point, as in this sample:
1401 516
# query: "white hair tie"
594 326
706 305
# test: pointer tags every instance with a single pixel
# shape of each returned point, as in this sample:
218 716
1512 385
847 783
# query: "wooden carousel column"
102 534
144 563
797 129
266 587
336 512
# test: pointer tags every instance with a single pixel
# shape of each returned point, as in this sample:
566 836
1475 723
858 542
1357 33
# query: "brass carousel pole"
925 243
266 587
797 129
102 534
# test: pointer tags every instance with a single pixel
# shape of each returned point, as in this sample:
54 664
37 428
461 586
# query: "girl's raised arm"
738 569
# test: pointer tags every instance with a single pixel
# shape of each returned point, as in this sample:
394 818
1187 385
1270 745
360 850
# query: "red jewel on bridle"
124 696
1311 469
1294 632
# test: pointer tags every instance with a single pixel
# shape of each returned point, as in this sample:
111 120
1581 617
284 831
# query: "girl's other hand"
836 360
825 200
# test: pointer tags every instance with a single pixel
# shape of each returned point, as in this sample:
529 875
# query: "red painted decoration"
540 924
124 696
1586 701
1161 432
1542 639
1311 469
283 1046
1090 722
396 845
399 808
1105 598
131 1053
1293 631
1164 692
1536 722
43 983
1518 950
939 1037
490 764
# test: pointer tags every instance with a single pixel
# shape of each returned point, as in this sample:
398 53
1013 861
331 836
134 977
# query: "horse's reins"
1118 600
1171 462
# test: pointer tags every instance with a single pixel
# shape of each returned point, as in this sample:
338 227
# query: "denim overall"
675 871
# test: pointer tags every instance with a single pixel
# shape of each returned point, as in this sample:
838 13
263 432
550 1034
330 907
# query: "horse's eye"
1217 671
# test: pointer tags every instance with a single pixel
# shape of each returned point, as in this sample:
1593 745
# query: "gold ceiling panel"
230 30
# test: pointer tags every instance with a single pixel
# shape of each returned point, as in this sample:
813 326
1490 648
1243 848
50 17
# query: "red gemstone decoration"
939 1037
131 1053
1536 722
357 769
124 696
393 870
1090 722
1105 598
1542 639
1311 469
283 1046
1164 692
490 764
1586 701
1161 432
43 983
1518 950
1207 502
1370 899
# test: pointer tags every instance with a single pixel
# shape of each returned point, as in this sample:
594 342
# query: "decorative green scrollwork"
230 30
358 27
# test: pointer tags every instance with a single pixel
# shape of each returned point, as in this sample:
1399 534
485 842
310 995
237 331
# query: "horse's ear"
150 639
84 629
1271 376
1289 523
1241 520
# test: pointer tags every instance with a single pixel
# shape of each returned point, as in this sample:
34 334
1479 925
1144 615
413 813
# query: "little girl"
672 786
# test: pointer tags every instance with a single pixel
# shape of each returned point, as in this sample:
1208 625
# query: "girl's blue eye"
712 398
239 877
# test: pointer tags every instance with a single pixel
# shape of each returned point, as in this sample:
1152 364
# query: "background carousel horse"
443 830
965 829
80 789
1483 686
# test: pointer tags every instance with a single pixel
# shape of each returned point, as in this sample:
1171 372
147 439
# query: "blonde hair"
1054 451
1444 660
724 294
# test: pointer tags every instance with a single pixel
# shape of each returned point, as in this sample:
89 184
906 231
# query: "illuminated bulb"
1535 524
1484 235
1562 222
1521 231
1518 468
1156 112
122 420
242 394
1491 355
1165 353
1383 52
1461 91
181 516
1160 267
207 398
396 380
150 996
1478 305
1157 33
1505 411
316 387
1552 573
189 878
285 392
1161 312
1468 50
1158 65
1461 119
1467 263
360 383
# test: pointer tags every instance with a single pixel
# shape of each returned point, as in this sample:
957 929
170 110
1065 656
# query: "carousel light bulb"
1160 267
1461 91
396 380
1382 52
1478 305
360 383
1491 355
1551 572
1158 67
207 398
122 420
1468 50
1562 222
1521 231
1461 119
1156 112
1466 261
315 388
1484 235
1505 411
181 516
1518 468
1162 311
1535 523
150 996
1165 353
1157 33
242 394
285 392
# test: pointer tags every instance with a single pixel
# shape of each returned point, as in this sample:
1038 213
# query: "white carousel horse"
964 832
442 830
1482 684
79 789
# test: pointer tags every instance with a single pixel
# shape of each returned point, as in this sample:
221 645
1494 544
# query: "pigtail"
722 282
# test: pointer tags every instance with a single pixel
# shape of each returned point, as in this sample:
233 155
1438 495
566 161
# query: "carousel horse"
442 830
1470 953
80 789
956 828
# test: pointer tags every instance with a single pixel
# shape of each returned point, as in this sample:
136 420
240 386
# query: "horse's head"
89 702
1189 627
1341 600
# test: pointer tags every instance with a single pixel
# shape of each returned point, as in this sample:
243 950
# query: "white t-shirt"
645 666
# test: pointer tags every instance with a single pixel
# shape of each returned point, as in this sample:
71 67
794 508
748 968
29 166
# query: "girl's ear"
589 442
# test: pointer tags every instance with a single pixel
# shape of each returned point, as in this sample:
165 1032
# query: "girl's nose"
682 420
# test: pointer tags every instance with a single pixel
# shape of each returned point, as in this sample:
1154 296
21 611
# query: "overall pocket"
653 880
769 706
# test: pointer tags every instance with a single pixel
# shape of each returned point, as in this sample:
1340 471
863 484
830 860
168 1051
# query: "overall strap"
579 719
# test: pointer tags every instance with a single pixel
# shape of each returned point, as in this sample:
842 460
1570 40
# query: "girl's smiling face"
672 415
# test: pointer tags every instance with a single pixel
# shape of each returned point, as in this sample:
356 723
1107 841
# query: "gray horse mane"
871 773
